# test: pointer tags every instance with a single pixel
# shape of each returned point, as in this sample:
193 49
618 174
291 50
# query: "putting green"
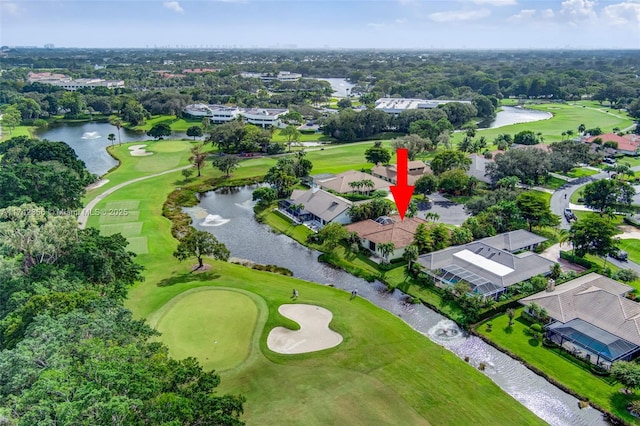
215 326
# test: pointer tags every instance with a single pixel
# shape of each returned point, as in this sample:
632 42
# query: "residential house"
478 168
416 169
591 316
628 144
316 208
487 265
343 183
386 229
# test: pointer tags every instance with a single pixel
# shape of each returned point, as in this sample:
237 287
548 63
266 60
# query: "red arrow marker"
402 192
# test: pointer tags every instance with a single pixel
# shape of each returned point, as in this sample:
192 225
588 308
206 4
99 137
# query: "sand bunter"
314 334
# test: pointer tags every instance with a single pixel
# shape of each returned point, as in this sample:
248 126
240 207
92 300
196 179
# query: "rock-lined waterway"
228 214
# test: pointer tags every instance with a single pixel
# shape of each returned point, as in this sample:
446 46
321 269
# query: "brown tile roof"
416 170
400 233
624 143
595 299
341 182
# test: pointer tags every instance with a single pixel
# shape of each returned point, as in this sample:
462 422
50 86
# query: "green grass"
517 340
177 124
581 172
632 247
304 137
17 131
554 183
565 117
215 326
383 373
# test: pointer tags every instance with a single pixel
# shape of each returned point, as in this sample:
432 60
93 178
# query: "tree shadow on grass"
188 277
508 330
534 342
620 401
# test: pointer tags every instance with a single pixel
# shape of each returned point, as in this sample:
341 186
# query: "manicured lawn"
565 117
304 137
215 326
383 373
554 183
17 131
177 124
517 339
632 247
581 172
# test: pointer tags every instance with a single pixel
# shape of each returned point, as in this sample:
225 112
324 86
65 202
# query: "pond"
89 141
341 87
228 214
509 115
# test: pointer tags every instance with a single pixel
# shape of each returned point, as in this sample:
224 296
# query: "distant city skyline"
383 24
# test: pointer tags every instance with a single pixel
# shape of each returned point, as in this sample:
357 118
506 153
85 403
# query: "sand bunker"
314 334
139 151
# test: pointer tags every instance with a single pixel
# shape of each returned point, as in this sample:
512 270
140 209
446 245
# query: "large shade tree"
199 244
608 195
593 235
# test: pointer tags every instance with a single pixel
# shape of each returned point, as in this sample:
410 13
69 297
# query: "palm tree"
111 138
198 156
117 122
386 249
581 129
368 185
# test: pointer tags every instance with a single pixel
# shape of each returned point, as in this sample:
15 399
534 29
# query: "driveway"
449 212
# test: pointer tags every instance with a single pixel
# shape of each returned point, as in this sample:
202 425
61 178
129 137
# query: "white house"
263 117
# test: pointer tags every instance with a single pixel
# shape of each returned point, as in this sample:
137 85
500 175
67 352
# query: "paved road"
559 202
86 212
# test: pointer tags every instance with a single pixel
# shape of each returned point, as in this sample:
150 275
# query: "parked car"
620 255
569 215
609 160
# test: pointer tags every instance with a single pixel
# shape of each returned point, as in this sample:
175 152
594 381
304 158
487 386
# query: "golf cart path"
85 213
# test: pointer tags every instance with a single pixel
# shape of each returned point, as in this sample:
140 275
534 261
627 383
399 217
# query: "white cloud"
622 13
496 2
578 10
376 25
547 13
401 21
459 15
173 5
11 8
524 14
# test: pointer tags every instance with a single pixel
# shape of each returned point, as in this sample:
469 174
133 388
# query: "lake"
340 86
509 115
89 141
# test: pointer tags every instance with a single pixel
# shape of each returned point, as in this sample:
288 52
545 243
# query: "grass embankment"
383 373
562 368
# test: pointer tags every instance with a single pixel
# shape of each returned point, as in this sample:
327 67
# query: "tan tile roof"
595 299
341 182
321 203
400 233
416 169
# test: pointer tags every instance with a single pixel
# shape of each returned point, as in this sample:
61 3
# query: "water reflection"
248 239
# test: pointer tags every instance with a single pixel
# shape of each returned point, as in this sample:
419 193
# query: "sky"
382 24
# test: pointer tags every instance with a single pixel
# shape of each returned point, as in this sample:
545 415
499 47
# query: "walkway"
86 212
